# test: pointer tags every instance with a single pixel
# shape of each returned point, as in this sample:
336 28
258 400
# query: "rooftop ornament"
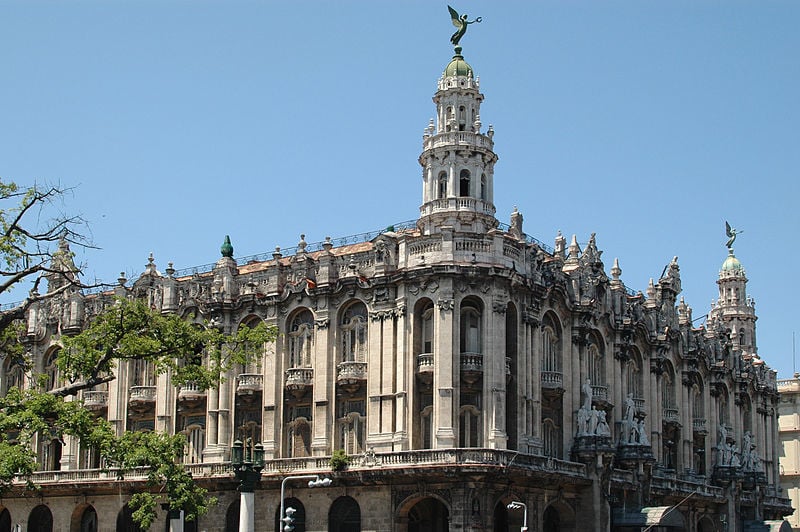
461 23
731 233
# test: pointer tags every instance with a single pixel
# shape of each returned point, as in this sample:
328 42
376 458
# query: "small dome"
458 67
732 265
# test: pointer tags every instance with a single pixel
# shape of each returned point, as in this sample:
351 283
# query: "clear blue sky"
649 123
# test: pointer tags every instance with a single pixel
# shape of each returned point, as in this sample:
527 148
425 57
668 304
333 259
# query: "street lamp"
516 505
287 513
247 465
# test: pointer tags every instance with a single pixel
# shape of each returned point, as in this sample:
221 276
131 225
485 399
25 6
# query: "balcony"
600 393
471 367
699 425
142 398
670 414
552 380
249 383
350 375
95 400
190 393
425 367
299 381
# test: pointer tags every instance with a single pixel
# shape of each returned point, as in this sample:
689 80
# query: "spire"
62 266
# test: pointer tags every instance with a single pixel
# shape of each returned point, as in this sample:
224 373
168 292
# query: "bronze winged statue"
731 233
461 23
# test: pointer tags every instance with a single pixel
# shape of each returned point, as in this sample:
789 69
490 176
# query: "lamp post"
286 516
516 505
247 465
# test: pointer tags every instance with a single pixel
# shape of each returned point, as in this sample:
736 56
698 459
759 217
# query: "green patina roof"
458 67
732 264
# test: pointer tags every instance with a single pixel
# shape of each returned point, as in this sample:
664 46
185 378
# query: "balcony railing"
699 424
425 367
553 380
600 392
95 399
299 380
351 375
382 461
190 392
670 414
471 367
248 383
142 395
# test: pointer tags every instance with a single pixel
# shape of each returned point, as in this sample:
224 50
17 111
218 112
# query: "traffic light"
288 519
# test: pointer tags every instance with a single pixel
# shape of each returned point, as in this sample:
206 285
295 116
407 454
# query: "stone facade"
789 426
460 363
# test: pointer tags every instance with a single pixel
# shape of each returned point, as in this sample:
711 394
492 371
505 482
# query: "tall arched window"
352 430
551 436
633 380
300 336
470 333
354 333
298 438
441 186
551 346
344 515
195 443
597 368
464 183
426 332
142 373
469 426
483 187
12 375
51 370
41 519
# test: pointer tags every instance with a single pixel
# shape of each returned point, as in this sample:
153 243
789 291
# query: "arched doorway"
299 516
558 517
84 519
232 517
5 520
344 515
551 521
428 515
125 521
706 524
40 520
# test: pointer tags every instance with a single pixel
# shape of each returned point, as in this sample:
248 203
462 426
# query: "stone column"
447 363
324 384
494 378
404 356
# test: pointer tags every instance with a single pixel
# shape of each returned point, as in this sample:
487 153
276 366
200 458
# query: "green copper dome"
458 67
732 264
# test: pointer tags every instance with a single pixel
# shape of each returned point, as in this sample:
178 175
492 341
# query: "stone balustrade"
553 380
247 383
95 399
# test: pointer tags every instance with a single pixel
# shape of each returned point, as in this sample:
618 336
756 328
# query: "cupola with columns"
457 157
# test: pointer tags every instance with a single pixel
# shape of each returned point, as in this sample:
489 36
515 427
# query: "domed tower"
734 309
457 158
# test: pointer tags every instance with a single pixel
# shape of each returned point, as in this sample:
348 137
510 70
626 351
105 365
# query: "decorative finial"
731 234
461 23
227 249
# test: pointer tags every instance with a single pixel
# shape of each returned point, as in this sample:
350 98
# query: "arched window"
142 373
470 334
633 380
427 329
352 430
125 521
232 516
300 337
551 436
299 438
50 452
442 185
41 519
551 346
462 118
597 368
299 515
12 375
195 443
483 187
426 427
464 183
354 333
344 515
469 429
51 370
88 521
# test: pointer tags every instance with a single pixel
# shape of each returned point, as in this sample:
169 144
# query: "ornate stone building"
460 363
789 426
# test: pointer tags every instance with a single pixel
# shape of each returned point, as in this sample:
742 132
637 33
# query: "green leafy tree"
33 233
